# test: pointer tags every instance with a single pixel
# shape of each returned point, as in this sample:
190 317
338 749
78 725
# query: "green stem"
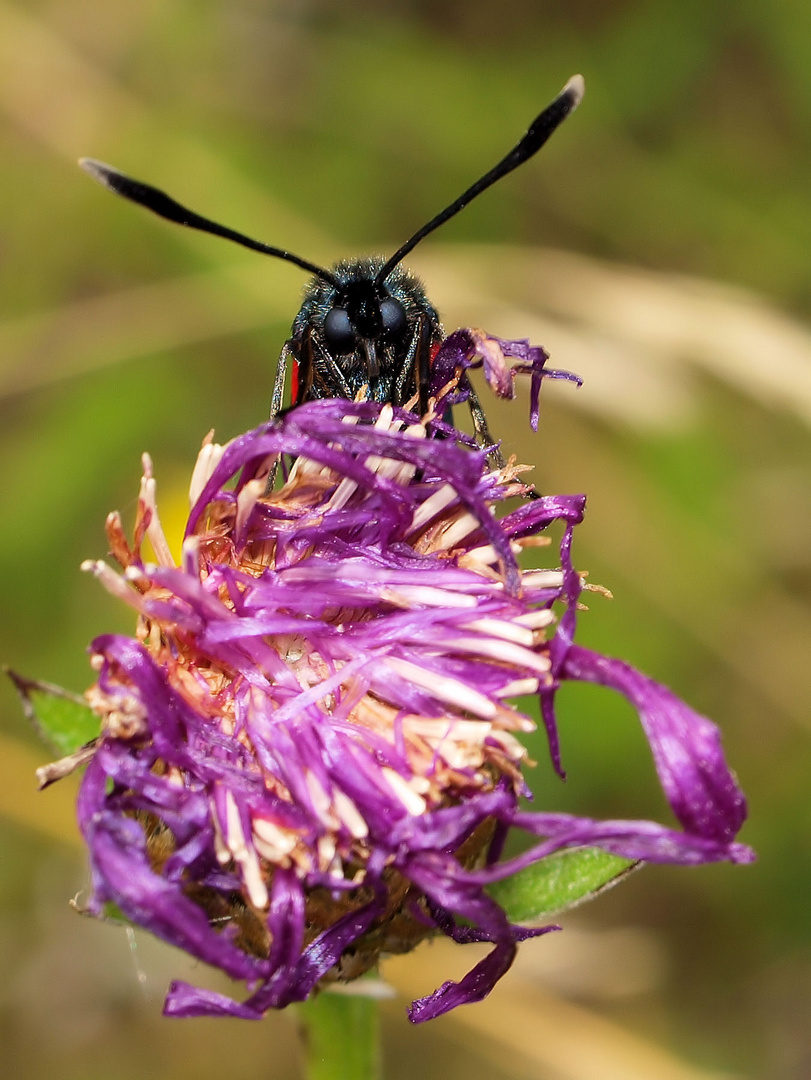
341 1037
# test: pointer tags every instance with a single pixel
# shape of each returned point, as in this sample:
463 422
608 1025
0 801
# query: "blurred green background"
660 245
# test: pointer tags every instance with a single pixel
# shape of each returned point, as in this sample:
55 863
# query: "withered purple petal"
184 1001
686 746
533 362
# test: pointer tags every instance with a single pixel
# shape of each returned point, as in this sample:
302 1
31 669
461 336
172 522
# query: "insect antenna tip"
575 88
98 170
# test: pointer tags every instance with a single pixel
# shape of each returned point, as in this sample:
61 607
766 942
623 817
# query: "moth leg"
411 374
299 349
289 348
485 439
324 379
481 430
424 365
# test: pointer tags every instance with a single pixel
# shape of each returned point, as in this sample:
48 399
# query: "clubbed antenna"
539 131
160 203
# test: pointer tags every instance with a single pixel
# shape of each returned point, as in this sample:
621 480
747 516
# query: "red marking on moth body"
294 382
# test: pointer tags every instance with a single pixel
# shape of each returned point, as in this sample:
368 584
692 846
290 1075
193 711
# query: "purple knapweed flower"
308 756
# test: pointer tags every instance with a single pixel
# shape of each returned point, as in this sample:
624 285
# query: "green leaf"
59 716
559 882
342 1037
112 913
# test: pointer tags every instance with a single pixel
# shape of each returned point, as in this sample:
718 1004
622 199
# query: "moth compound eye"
339 331
393 316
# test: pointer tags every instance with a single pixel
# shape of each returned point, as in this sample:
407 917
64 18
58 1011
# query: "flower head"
309 757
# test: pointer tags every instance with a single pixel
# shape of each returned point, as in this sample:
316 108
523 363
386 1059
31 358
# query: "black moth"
366 323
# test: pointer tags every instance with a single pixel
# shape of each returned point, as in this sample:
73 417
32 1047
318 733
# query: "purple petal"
475 986
184 1001
686 746
122 874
